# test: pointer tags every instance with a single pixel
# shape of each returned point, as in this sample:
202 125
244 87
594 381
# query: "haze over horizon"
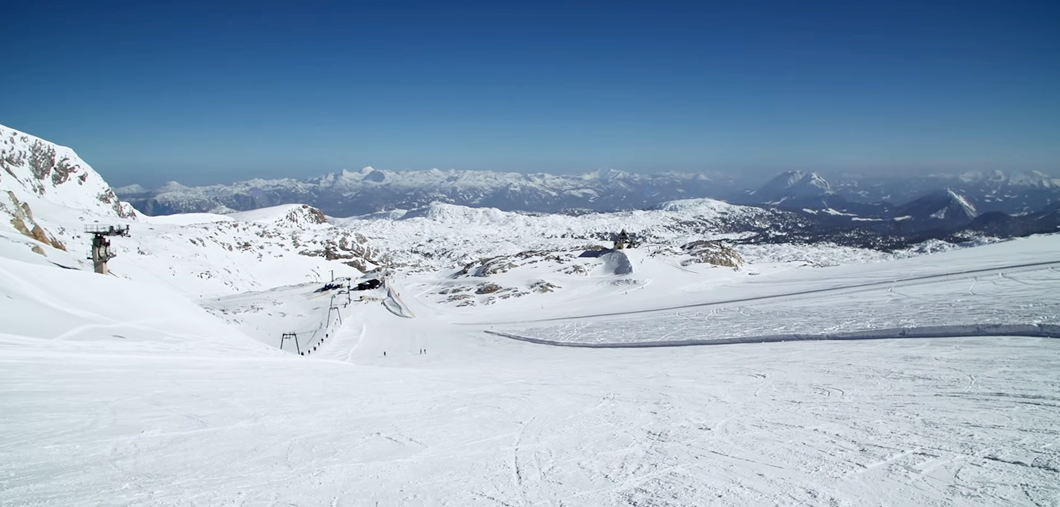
202 93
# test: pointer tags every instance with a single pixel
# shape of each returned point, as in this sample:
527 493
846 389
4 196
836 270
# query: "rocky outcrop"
502 264
23 222
37 169
36 174
350 248
712 252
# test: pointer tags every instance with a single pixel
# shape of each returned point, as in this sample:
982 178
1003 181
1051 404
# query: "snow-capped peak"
698 206
292 216
793 185
1034 179
354 193
815 180
172 186
995 179
131 189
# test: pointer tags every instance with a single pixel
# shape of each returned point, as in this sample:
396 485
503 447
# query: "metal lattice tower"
101 245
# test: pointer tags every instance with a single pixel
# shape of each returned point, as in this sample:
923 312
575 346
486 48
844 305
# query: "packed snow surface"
122 393
1000 284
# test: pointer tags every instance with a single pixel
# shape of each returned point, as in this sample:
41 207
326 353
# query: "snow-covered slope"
125 393
36 170
59 309
47 193
230 254
441 235
290 215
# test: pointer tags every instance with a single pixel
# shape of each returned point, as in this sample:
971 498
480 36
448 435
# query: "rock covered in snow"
36 174
34 169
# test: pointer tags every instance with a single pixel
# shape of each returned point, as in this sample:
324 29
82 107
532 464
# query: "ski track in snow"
826 429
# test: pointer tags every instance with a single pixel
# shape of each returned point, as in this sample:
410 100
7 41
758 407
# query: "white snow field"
164 384
121 393
1003 285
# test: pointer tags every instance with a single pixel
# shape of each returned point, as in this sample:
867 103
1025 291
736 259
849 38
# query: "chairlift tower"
335 309
291 336
101 245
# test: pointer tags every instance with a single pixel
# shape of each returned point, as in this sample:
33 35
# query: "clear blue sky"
217 91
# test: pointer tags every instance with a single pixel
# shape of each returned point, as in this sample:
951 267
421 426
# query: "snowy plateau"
510 359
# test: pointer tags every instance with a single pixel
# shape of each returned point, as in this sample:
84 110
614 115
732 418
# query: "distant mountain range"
1018 193
47 195
354 193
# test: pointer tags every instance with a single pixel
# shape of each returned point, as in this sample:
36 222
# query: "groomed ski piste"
870 379
119 392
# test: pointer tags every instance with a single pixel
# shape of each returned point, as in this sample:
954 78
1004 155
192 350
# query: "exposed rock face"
304 215
349 247
712 252
316 215
488 288
486 267
37 169
502 264
543 286
36 174
23 222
